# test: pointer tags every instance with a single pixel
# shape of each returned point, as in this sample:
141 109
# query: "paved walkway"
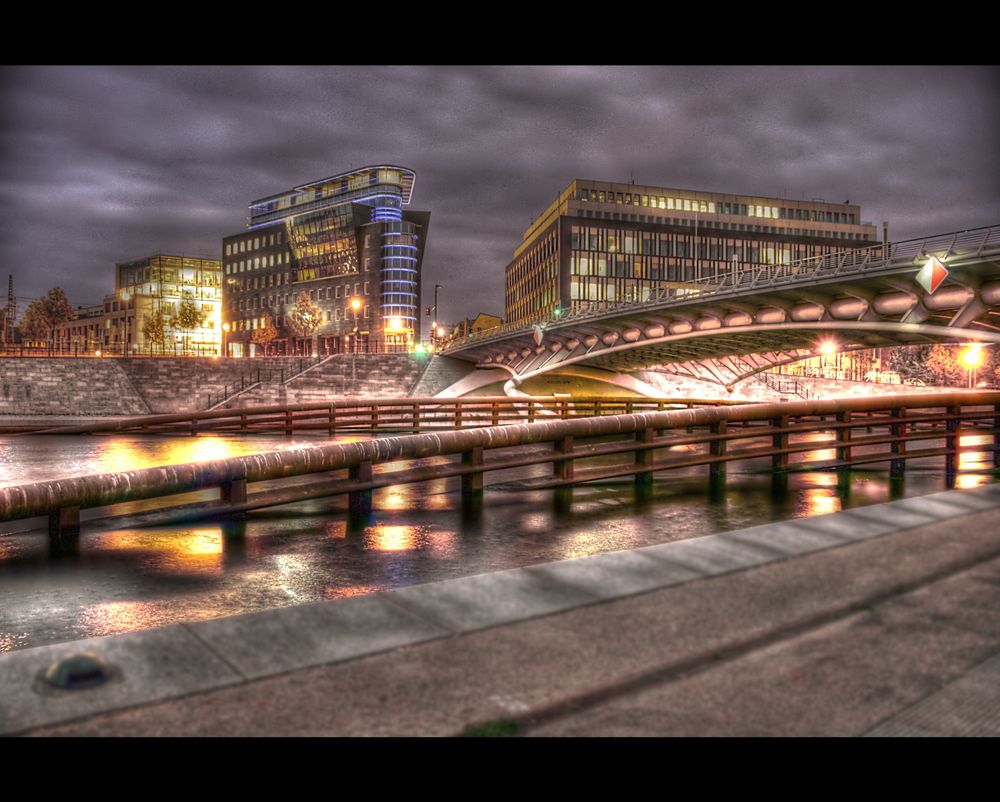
880 620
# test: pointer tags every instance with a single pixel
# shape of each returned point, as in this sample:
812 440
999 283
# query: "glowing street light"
828 347
972 357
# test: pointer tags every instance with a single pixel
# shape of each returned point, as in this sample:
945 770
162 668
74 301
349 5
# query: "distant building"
345 242
481 322
162 283
605 242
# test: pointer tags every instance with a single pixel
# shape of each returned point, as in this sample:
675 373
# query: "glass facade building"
605 242
347 243
161 283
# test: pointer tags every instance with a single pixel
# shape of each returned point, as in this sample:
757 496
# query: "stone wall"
66 386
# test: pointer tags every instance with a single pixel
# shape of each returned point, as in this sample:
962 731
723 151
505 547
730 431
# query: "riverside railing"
352 415
860 431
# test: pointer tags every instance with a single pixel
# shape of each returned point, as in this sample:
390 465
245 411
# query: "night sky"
104 164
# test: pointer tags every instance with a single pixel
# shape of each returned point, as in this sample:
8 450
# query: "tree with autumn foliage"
943 365
305 317
44 316
264 335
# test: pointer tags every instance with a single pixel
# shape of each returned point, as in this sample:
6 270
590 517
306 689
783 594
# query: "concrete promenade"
882 620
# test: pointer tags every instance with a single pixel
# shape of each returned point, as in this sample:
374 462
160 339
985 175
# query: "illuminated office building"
347 243
604 242
148 287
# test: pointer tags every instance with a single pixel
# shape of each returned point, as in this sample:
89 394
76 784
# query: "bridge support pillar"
717 448
897 467
64 529
779 462
644 458
951 441
472 483
359 502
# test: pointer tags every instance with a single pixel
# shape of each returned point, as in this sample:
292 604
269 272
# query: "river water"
131 578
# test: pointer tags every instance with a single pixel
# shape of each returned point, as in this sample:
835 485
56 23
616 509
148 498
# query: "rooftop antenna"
631 178
11 303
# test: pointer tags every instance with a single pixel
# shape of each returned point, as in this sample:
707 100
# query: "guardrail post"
717 448
243 422
779 462
531 412
359 502
458 414
234 491
644 459
332 427
897 447
64 529
472 483
374 417
416 418
495 408
951 441
563 468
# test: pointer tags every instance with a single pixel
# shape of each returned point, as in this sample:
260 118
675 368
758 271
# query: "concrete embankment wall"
140 386
65 386
341 376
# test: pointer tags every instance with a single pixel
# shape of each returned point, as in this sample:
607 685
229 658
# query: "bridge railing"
847 262
353 415
827 435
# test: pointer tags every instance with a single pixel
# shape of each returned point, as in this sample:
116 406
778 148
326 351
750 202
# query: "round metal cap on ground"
81 670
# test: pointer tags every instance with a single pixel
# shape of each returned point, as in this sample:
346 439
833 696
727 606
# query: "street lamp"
225 332
972 358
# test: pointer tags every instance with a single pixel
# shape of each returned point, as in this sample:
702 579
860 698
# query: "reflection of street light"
972 357
225 332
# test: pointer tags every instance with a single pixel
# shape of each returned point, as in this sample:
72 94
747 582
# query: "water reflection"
974 460
176 551
132 578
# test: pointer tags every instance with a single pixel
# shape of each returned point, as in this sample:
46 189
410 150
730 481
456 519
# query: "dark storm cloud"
103 164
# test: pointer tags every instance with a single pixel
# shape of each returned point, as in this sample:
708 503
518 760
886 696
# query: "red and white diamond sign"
932 274
537 333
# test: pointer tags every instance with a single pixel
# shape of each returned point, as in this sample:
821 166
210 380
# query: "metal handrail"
62 499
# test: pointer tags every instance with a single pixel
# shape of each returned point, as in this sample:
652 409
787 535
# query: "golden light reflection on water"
111 618
392 538
332 592
821 496
423 496
441 543
179 551
973 460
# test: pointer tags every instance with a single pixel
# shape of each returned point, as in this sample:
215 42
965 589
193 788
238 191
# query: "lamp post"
972 358
225 332
434 324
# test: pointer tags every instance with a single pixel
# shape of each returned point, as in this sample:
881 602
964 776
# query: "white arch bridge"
734 325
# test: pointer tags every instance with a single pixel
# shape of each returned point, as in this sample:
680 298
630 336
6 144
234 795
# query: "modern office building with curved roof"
344 241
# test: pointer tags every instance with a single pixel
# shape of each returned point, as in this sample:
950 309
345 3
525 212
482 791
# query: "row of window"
254 243
713 207
338 315
257 263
